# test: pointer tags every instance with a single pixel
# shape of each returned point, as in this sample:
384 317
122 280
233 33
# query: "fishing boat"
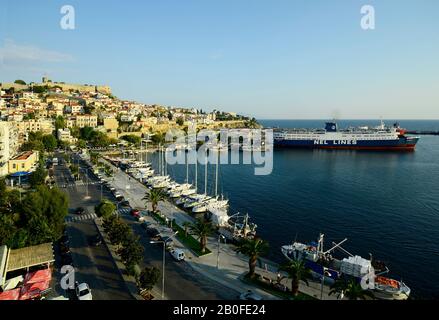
325 266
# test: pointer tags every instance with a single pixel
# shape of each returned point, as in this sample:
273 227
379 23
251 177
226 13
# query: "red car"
135 213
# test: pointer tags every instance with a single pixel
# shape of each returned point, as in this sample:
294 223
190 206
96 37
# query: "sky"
278 59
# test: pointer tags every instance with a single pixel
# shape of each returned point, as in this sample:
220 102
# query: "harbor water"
385 203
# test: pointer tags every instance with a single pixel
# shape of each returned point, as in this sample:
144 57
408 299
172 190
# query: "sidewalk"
232 265
129 280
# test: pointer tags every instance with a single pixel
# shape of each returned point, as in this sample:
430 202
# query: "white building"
8 145
64 135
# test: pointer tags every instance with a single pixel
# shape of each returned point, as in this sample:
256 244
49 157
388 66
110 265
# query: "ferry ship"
322 263
361 138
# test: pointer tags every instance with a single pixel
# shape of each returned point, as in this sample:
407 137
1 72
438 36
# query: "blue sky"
292 59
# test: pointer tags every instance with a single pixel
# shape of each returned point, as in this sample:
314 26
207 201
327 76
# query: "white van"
178 254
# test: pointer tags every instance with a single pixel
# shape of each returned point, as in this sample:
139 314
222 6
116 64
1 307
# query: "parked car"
135 213
80 211
178 254
250 295
63 248
146 224
125 203
83 292
153 233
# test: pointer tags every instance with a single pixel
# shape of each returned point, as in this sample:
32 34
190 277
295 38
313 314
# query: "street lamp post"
325 272
163 262
219 243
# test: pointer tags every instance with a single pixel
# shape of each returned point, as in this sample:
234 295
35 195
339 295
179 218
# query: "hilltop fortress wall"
64 86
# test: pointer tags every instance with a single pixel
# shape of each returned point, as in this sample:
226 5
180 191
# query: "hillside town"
62 110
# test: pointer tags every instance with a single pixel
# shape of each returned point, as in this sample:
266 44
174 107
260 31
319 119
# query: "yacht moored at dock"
322 262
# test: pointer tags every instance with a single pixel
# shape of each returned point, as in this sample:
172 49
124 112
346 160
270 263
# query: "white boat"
196 200
210 204
353 267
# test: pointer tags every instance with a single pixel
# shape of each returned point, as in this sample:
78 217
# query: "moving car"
83 292
80 211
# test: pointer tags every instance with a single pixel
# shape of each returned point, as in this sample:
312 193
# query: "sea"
385 203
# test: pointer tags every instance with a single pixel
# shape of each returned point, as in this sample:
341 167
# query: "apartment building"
8 145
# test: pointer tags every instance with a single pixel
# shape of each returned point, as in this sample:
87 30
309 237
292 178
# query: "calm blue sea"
385 203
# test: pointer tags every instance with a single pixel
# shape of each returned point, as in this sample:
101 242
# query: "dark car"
153 233
146 224
125 203
80 211
95 240
63 248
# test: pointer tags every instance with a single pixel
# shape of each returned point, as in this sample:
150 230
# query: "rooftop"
23 156
30 256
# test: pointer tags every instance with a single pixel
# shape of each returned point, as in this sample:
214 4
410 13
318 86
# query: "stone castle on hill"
64 86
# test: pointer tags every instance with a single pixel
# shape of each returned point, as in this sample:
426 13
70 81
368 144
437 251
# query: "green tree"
201 230
186 226
81 144
154 196
350 289
180 121
297 271
59 123
86 133
20 82
118 232
105 209
148 278
158 138
50 142
132 139
74 169
38 177
253 248
43 213
131 252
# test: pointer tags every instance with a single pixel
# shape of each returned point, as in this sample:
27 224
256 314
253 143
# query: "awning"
30 257
10 295
38 276
33 290
20 174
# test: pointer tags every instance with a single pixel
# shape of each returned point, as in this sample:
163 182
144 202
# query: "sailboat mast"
216 175
205 173
187 167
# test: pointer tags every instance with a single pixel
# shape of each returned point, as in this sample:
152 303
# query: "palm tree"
154 196
297 271
201 229
253 248
186 226
351 289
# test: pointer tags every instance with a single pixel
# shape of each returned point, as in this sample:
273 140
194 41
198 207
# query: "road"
93 265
